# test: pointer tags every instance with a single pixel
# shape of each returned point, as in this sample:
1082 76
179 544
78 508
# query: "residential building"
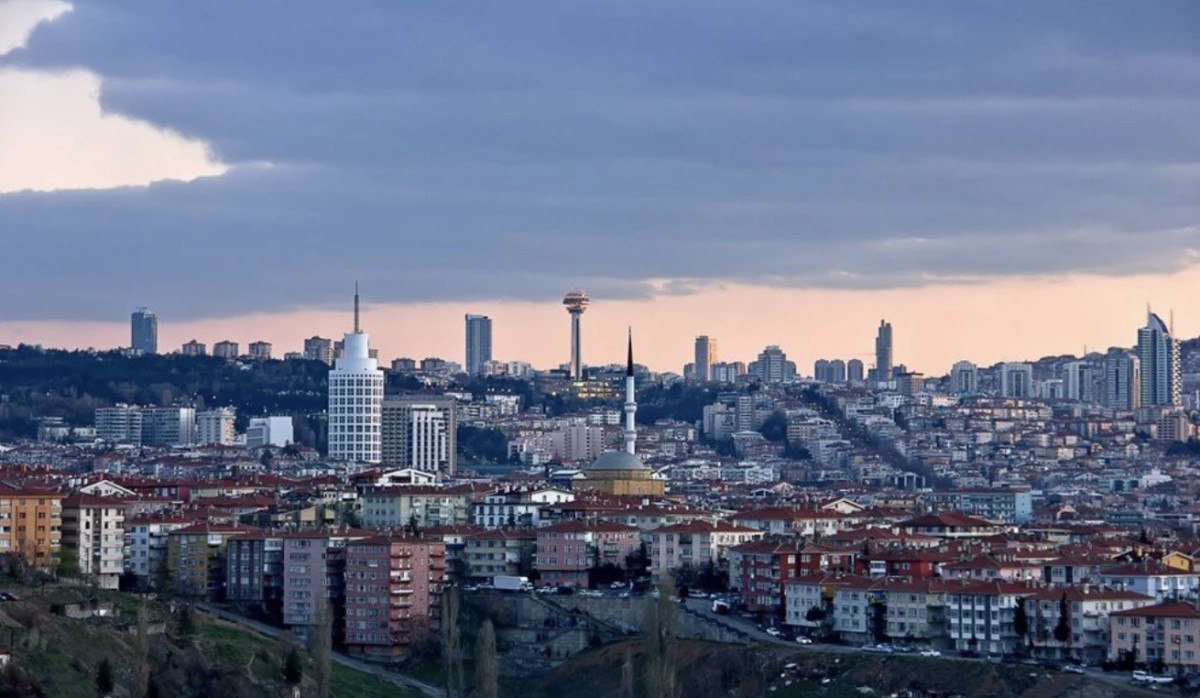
1089 612
706 356
503 551
260 351
194 348
1166 634
696 544
964 378
1000 505
1016 380
982 616
423 505
31 524
1122 380
226 350
420 432
393 593
196 558
1152 578
567 550
314 565
94 529
773 366
254 572
146 545
1158 354
854 371
760 569
216 426
319 349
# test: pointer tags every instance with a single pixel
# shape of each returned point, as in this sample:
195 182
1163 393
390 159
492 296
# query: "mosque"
622 472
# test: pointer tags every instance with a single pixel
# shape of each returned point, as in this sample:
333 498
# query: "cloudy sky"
999 179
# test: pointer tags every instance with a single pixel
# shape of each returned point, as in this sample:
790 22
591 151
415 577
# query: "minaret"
630 401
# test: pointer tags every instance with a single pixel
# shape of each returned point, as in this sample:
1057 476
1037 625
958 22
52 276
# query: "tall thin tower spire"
630 402
356 328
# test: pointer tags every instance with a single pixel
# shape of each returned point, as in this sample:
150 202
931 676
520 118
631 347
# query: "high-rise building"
269 431
837 371
727 371
706 356
964 378
356 400
479 343
260 350
226 350
821 371
319 349
854 371
883 352
1158 353
216 426
147 426
420 431
1016 380
773 366
143 331
576 301
194 348
1122 380
1079 379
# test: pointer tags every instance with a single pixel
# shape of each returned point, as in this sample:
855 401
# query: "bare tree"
141 666
452 644
320 646
661 629
627 674
487 678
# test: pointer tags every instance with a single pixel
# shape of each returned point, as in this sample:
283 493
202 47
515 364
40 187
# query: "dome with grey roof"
618 460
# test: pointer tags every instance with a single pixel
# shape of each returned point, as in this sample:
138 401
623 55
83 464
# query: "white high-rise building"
420 431
1158 353
1079 380
1016 380
964 378
356 400
216 426
269 431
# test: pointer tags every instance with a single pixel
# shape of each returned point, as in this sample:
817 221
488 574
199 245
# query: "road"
395 678
704 606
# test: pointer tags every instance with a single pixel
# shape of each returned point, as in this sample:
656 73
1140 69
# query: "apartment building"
568 549
196 558
393 593
1166 633
146 544
696 544
31 524
94 529
499 552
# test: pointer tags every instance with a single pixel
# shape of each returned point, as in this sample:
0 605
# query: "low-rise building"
501 551
696 544
567 550
1166 634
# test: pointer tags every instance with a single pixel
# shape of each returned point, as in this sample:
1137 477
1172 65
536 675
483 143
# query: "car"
1074 669
774 632
617 585
547 590
625 595
882 649
930 653
697 595
804 640
1147 677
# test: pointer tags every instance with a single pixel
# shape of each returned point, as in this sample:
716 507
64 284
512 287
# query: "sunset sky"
999 180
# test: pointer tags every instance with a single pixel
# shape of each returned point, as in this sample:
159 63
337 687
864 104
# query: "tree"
627 674
661 630
452 644
486 676
15 682
141 668
774 428
293 670
266 458
185 621
105 682
1021 620
1062 631
68 563
320 647
815 614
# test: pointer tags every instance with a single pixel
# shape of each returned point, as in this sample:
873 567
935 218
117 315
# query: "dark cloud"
471 150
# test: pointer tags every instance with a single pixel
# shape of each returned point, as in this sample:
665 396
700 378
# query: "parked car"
1147 677
1074 669
804 640
930 653
774 632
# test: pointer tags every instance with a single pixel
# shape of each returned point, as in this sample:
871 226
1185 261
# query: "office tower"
260 351
883 352
143 331
837 371
269 431
420 431
821 371
194 348
1079 379
773 366
630 402
576 302
355 399
1016 380
216 426
706 356
479 343
854 371
1158 353
964 378
1122 380
319 349
226 350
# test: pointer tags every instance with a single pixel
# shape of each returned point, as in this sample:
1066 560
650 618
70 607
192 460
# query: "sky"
1000 180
